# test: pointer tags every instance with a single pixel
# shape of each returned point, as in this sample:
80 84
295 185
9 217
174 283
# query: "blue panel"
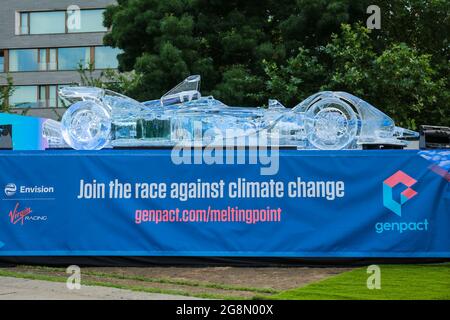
319 204
26 131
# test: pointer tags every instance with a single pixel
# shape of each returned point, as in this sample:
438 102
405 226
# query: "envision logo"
10 189
408 193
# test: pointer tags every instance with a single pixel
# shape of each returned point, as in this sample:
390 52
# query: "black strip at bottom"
91 261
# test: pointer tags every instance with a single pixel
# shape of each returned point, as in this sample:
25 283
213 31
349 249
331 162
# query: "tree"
248 51
167 40
407 87
399 80
6 92
297 79
125 83
310 23
421 24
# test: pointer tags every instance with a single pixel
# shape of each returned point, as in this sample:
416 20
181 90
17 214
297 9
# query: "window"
24 97
90 21
47 22
47 59
106 57
24 23
23 60
2 61
71 58
52 61
47 96
52 22
42 96
42 59
52 93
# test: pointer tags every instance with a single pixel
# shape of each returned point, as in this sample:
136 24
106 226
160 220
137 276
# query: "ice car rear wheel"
333 124
86 125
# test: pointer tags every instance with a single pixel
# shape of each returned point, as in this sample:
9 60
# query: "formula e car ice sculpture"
100 118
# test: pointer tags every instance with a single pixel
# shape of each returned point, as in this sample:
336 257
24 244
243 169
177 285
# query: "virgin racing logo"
20 216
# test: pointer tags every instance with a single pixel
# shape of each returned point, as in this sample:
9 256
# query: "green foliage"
126 83
249 51
161 71
240 87
352 57
87 77
167 40
297 78
422 24
398 282
309 23
398 80
405 84
6 92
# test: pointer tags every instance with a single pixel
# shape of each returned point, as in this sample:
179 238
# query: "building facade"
42 45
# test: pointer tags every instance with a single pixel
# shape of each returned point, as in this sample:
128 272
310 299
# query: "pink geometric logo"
407 194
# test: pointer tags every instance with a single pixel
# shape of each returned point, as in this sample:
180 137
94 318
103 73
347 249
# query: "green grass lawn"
398 282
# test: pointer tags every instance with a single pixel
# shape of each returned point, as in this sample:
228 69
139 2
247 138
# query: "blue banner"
390 203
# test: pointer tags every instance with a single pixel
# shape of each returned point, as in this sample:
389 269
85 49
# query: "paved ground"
268 277
210 282
24 289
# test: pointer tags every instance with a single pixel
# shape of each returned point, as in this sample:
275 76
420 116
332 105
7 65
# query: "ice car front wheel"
86 125
333 124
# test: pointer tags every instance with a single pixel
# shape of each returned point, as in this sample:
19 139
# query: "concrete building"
42 43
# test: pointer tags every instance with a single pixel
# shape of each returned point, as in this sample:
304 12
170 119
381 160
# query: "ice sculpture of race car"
100 118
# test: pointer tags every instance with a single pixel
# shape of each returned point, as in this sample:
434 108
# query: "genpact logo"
388 186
